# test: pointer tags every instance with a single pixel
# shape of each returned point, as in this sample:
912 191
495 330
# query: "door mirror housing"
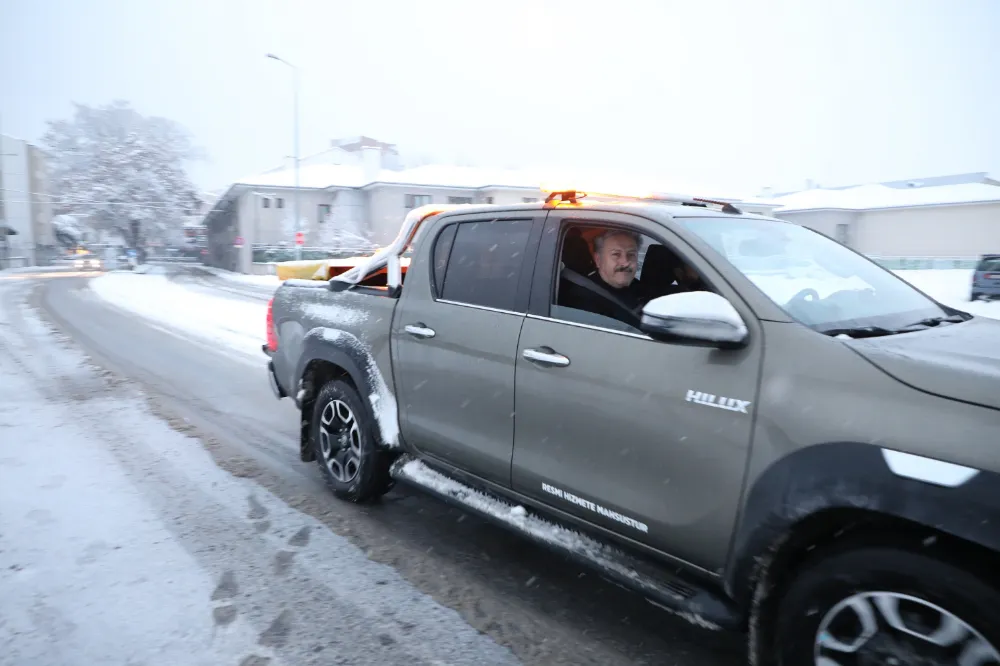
698 317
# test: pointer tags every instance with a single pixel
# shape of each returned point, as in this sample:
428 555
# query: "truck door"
455 338
617 429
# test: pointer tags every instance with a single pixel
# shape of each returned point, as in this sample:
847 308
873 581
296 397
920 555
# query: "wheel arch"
820 492
322 361
846 493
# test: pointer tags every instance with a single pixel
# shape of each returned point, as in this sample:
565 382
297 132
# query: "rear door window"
484 263
442 250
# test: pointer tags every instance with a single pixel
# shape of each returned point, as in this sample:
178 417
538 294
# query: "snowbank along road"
171 521
124 543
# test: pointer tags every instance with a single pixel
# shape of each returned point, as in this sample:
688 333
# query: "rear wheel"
878 605
345 444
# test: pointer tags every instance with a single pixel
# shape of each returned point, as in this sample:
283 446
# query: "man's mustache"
624 269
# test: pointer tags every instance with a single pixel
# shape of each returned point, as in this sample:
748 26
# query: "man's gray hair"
599 241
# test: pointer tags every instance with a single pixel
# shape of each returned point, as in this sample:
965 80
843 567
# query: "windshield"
813 278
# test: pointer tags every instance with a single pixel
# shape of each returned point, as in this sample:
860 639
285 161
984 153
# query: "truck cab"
736 416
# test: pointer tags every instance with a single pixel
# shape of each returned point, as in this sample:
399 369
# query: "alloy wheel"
876 628
340 441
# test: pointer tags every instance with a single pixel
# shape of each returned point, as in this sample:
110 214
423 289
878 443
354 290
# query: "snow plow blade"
685 599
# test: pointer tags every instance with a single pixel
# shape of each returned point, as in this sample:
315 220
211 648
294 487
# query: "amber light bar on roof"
572 195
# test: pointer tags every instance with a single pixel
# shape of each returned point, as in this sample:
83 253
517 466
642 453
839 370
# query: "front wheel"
344 439
890 606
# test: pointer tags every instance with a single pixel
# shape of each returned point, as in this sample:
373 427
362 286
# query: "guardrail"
267 255
173 260
926 263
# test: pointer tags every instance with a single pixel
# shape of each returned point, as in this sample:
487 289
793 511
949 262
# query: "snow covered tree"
70 230
343 234
122 170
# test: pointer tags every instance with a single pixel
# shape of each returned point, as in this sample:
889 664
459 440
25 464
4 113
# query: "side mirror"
697 317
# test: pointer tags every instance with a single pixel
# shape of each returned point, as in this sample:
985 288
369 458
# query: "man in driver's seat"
616 256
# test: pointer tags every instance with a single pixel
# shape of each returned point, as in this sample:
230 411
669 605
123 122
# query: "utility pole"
295 113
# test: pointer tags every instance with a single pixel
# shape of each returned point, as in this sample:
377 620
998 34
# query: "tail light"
272 332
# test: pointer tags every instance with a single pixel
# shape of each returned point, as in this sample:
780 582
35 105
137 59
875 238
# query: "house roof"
313 176
323 176
879 196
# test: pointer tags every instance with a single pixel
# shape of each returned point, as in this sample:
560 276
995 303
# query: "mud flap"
699 606
306 451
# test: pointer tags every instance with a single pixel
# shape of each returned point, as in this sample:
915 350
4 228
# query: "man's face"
617 260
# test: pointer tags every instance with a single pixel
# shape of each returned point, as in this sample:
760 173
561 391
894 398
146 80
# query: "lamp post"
295 112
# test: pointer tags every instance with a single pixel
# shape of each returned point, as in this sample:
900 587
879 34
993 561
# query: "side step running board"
698 606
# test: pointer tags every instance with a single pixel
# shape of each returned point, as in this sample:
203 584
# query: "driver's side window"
607 273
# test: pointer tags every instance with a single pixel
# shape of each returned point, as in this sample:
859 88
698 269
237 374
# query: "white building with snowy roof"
945 217
360 186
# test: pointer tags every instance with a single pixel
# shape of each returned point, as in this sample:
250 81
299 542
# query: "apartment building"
952 216
25 206
358 184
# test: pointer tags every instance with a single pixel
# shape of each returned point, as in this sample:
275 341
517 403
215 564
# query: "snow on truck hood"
957 361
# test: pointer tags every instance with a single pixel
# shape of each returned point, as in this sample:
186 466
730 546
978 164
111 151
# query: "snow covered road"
484 580
122 542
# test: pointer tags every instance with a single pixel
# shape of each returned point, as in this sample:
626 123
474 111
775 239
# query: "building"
944 217
25 206
358 184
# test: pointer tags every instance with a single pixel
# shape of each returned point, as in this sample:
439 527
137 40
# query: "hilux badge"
709 400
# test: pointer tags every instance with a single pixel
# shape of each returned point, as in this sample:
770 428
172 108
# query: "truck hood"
957 361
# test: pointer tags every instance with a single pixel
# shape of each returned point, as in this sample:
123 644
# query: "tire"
342 432
816 599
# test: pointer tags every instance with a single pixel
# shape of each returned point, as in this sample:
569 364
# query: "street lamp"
295 111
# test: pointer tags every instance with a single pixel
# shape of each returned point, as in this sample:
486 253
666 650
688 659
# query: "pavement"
240 523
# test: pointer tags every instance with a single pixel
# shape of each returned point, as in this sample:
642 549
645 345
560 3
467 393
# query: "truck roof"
662 207
651 207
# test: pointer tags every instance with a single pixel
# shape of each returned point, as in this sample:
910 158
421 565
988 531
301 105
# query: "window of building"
483 262
489 200
529 199
459 200
265 203
279 202
842 234
417 200
324 212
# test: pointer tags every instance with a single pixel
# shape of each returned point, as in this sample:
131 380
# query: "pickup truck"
748 423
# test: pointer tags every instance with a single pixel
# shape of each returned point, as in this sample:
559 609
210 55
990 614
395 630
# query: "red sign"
300 238
238 242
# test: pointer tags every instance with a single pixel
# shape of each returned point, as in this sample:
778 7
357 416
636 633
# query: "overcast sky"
740 94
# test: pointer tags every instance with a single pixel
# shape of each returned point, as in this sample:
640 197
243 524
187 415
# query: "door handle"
545 356
418 330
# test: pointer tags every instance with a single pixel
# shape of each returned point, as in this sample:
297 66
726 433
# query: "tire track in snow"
522 596
329 603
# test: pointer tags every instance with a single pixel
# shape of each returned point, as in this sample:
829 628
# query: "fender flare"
346 351
956 500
